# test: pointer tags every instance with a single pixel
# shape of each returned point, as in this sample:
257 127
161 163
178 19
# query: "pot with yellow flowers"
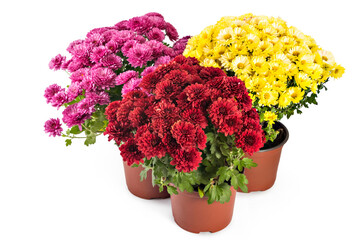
283 69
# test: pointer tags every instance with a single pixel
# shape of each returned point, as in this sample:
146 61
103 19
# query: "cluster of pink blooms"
110 61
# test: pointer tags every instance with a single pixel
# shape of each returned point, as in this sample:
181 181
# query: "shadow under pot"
195 215
263 176
142 189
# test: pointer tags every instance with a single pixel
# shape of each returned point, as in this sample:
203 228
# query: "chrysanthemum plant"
193 131
283 69
107 64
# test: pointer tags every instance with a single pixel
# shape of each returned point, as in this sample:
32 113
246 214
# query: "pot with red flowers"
191 126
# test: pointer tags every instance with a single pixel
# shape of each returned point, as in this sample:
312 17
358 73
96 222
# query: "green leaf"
225 193
91 139
222 173
171 190
248 163
161 188
68 142
201 193
75 130
143 174
206 188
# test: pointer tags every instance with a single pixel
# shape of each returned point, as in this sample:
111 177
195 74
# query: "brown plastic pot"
263 176
142 189
195 215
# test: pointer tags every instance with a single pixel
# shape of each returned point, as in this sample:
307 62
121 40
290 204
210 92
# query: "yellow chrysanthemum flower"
209 62
338 71
255 84
226 60
279 86
241 65
268 97
284 100
225 34
265 48
252 41
258 62
270 117
296 94
303 80
327 57
314 87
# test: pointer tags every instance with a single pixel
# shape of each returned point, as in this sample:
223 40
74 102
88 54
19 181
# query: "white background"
49 191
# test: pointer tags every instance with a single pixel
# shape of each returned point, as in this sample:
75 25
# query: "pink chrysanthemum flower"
124 77
157 48
59 99
162 60
79 75
148 70
156 34
127 46
98 53
103 78
51 90
139 55
53 127
139 24
157 22
57 62
74 91
101 98
111 61
72 116
171 32
131 85
123 25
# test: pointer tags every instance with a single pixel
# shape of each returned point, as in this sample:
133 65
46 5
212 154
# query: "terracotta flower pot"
195 215
263 176
142 189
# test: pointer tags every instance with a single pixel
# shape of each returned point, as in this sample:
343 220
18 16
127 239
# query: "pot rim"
195 194
280 144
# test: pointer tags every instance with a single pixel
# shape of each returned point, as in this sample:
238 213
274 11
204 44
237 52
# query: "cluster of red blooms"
182 99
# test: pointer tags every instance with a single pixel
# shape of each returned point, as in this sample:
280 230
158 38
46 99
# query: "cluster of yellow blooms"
277 63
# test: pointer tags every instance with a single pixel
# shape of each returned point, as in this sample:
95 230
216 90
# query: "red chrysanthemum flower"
164 115
195 96
252 114
211 72
151 145
166 89
231 124
250 141
111 110
123 111
186 161
138 117
119 131
194 116
184 133
251 124
186 60
134 95
130 152
200 138
245 102
178 77
171 144
221 109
